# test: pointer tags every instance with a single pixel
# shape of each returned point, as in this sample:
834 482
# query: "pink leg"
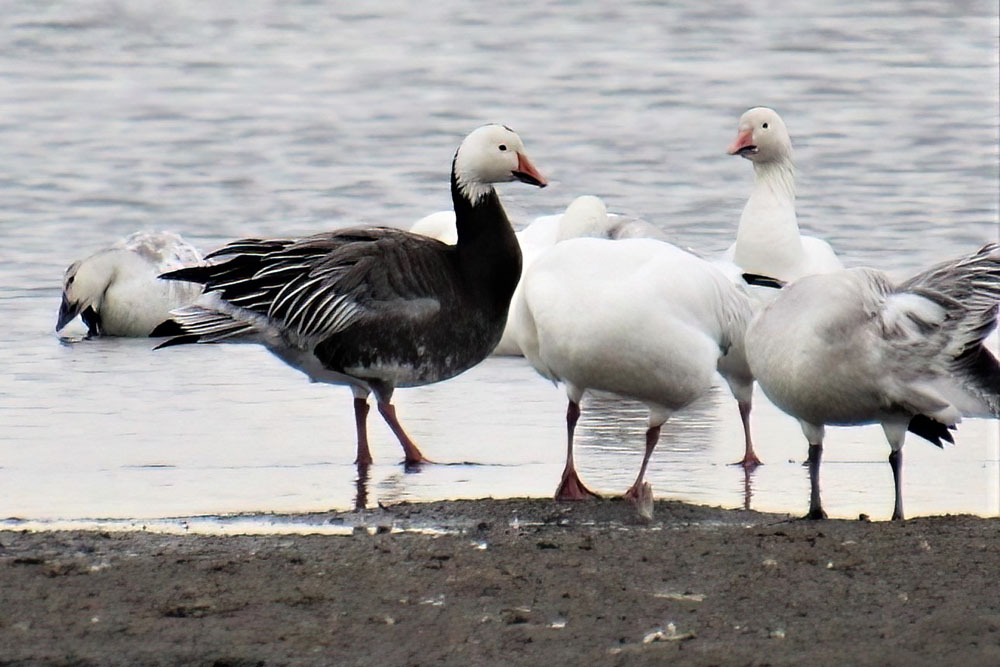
360 420
750 460
652 436
570 487
412 453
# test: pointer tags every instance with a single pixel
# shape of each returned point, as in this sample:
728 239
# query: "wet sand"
525 582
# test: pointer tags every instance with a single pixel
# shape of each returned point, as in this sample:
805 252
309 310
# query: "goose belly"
404 356
822 395
819 381
655 359
134 307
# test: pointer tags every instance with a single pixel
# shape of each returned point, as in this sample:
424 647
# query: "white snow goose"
115 291
851 348
639 318
376 308
768 241
586 216
439 225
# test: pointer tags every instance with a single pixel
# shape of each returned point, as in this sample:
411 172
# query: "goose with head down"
115 291
376 308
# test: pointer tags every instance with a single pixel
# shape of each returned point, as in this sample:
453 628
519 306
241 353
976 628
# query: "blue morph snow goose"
376 308
115 291
853 348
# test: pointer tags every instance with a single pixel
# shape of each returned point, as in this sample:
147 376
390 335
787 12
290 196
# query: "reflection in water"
611 421
392 488
361 484
397 485
747 487
611 437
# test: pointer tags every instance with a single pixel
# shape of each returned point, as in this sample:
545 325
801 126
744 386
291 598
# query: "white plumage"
768 241
586 216
639 318
439 225
116 290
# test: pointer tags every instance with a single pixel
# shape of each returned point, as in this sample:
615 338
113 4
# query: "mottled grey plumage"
853 348
377 303
375 308
968 291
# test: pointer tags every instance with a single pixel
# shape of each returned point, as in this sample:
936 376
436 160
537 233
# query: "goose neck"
776 177
487 248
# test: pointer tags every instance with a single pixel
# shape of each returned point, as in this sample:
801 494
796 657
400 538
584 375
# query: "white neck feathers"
768 239
471 188
777 176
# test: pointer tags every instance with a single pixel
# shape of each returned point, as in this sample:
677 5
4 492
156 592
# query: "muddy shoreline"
523 581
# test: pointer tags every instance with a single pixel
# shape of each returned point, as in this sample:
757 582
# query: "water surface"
227 119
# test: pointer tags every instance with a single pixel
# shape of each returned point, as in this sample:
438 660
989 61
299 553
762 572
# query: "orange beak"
744 140
526 172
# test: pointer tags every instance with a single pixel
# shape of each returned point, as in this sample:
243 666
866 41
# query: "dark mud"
511 582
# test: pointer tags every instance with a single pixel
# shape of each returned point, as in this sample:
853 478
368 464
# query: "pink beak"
527 173
743 139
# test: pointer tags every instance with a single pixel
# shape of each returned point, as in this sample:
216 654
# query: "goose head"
492 154
585 216
84 285
762 137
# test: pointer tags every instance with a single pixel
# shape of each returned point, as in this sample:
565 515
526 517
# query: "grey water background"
247 118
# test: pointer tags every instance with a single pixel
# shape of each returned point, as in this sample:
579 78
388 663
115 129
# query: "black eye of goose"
764 126
71 279
503 147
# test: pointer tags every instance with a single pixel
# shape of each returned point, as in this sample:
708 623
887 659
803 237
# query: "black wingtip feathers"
167 328
931 430
762 281
178 340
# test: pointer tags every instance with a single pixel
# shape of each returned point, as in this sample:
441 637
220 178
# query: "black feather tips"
931 430
762 280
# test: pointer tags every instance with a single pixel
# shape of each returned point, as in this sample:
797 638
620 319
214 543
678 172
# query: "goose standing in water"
768 241
639 318
376 308
586 216
116 291
850 348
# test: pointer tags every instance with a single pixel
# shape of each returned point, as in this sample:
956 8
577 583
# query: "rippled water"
227 119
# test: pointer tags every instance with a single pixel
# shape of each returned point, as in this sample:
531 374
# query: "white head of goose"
768 240
375 308
762 138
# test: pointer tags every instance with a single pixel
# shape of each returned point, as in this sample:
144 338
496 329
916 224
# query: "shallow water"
227 119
